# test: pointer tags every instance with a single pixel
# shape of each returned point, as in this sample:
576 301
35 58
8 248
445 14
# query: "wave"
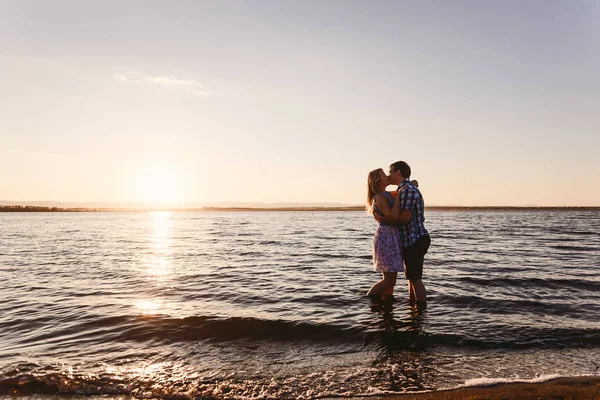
516 307
575 248
298 387
392 335
482 382
65 383
196 328
548 283
396 336
343 256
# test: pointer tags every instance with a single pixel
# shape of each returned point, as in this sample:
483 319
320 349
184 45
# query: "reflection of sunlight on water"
160 223
151 369
159 264
148 306
162 374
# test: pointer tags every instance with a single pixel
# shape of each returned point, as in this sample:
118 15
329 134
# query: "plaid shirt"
412 200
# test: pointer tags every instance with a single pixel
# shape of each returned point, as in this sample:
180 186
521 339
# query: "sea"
266 304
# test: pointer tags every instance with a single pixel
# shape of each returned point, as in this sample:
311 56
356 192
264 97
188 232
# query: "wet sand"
584 388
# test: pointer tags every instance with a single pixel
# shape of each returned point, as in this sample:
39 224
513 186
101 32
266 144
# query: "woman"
387 248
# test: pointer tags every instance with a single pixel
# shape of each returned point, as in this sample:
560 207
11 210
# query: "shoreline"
575 388
19 208
582 387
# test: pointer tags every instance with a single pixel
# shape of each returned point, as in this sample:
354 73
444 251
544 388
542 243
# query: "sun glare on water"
160 184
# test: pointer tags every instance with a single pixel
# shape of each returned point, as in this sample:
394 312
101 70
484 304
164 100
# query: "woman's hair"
373 187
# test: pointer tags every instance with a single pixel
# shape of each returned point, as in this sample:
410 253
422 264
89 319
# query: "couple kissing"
401 240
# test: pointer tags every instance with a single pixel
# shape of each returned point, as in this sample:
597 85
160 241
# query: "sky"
491 103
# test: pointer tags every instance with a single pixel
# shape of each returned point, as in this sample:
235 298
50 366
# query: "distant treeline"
41 209
509 208
431 208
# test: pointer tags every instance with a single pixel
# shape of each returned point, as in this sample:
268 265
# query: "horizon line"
32 208
245 204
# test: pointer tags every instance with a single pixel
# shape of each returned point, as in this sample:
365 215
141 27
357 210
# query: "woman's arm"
396 216
382 205
393 213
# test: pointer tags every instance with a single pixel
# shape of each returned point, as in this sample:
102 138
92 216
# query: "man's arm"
406 214
404 218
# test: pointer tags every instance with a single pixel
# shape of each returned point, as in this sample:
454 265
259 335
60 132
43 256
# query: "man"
415 238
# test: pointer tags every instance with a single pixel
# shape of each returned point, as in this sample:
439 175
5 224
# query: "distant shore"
20 208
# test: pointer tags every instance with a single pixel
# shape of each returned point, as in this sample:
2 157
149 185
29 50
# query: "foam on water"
482 382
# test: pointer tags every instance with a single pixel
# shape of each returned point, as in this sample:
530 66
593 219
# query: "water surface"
270 304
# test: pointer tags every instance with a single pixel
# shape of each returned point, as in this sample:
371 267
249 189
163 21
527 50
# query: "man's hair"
401 166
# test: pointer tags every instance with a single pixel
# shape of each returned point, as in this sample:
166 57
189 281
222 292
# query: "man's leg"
412 296
419 290
411 274
414 257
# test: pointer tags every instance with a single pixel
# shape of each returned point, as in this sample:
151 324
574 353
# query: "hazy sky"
491 103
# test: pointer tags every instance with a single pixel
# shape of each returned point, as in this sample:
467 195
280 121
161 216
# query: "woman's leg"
387 283
389 292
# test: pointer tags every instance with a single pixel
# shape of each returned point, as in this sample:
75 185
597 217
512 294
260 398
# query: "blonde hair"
373 188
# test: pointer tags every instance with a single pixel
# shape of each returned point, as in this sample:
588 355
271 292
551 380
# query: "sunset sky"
491 103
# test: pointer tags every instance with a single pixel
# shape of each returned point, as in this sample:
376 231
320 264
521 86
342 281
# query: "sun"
160 184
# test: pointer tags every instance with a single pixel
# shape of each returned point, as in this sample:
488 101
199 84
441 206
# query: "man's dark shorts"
414 256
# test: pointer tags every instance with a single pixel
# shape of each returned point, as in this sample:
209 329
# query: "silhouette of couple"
401 240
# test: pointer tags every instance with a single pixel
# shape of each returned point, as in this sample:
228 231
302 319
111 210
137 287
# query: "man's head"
399 171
